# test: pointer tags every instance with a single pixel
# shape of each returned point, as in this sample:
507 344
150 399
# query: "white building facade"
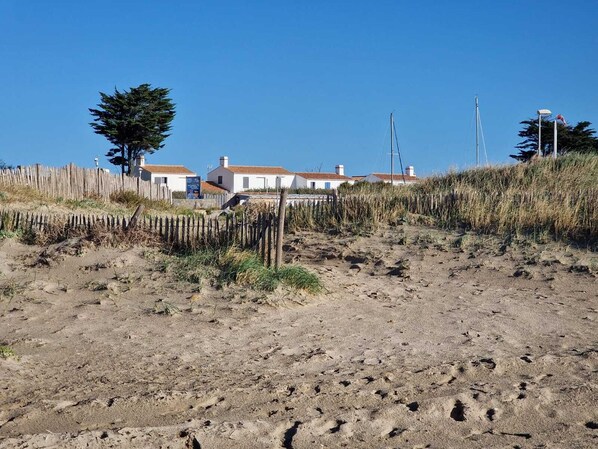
173 176
238 178
397 178
308 180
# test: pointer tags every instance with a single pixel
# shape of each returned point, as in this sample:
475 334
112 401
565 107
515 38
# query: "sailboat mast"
392 160
477 141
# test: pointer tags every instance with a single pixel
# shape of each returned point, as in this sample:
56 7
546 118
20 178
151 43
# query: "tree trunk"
130 160
122 164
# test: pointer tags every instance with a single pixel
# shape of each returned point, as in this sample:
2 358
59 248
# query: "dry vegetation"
27 198
394 336
546 199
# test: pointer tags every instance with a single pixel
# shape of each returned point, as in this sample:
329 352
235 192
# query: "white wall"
262 182
176 183
299 182
302 183
397 179
227 178
233 182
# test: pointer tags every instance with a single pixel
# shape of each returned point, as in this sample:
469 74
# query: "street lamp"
541 112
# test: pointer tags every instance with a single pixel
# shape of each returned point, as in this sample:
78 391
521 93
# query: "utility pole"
392 160
555 140
477 141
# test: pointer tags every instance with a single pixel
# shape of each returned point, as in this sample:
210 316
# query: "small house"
173 176
318 180
238 178
397 178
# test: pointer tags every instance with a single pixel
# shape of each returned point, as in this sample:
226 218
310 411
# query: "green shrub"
299 278
239 267
246 268
6 352
194 266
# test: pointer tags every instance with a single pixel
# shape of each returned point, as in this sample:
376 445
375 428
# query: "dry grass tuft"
546 199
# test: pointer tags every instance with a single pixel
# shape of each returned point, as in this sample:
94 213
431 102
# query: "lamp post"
541 112
97 162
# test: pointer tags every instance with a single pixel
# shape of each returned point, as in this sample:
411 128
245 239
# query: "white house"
174 176
397 178
237 178
321 180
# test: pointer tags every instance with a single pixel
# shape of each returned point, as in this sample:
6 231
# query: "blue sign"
193 187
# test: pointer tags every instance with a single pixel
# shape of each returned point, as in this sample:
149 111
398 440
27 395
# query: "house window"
313 184
161 180
327 185
245 182
219 179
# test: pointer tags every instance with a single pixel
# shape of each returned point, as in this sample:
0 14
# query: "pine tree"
579 138
136 122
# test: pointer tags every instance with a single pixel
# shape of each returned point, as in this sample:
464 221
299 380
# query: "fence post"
280 234
135 217
270 222
37 181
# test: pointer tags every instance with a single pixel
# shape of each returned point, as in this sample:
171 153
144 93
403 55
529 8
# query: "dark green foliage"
299 278
234 266
4 166
195 266
246 268
136 122
571 139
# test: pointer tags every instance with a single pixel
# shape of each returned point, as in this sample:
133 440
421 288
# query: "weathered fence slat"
76 183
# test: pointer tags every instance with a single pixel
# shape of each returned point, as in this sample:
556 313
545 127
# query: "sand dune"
446 341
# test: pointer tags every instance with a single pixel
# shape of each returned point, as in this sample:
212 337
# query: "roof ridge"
261 166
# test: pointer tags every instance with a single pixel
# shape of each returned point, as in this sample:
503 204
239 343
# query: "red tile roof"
210 187
396 177
323 176
256 170
167 169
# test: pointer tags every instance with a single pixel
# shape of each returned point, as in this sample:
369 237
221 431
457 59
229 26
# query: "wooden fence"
572 216
75 183
255 232
258 230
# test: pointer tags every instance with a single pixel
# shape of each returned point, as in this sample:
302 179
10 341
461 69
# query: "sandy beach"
421 339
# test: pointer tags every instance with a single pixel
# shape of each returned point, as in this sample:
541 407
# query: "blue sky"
301 83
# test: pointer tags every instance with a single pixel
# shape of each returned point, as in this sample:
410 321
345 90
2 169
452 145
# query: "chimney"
340 170
224 161
410 171
140 162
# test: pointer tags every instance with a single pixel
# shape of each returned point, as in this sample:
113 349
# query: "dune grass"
120 203
246 268
239 267
545 199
